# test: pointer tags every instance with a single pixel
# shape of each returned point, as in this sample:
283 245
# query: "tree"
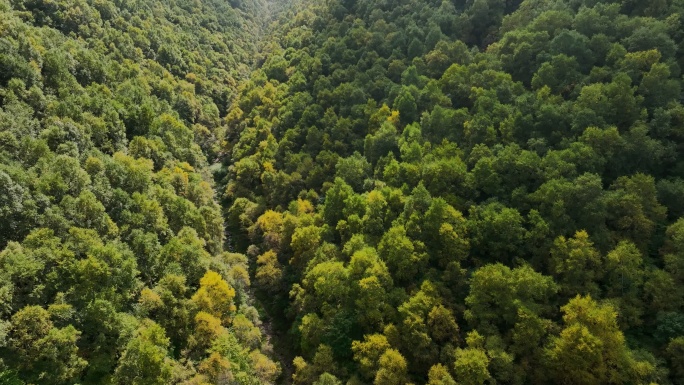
371 305
445 233
305 241
216 368
625 280
327 282
266 370
573 205
353 170
392 369
612 103
405 103
498 293
269 271
245 331
528 339
63 175
660 291
674 249
215 296
422 318
591 348
496 233
382 143
335 199
16 209
634 208
375 220
327 379
207 331
577 264
443 327
368 352
186 252
144 361
405 259
439 375
675 353
42 352
560 74
21 269
471 365
167 303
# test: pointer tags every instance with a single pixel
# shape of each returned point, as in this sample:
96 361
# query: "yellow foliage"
266 370
216 368
392 370
207 329
268 167
269 270
304 207
215 296
271 226
394 118
180 181
303 372
270 221
368 352
383 114
149 300
239 275
246 332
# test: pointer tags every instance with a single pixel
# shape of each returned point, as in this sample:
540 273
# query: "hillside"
112 261
466 192
382 192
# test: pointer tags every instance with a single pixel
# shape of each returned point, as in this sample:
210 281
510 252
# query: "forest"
113 268
386 192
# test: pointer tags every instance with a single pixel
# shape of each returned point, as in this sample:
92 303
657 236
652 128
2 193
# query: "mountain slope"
112 266
466 192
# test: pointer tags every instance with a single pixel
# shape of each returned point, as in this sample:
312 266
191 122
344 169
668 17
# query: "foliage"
111 237
425 188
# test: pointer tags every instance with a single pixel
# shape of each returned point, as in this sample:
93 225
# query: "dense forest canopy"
380 192
467 192
112 263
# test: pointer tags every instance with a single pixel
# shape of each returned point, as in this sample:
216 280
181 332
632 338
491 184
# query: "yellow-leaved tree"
215 297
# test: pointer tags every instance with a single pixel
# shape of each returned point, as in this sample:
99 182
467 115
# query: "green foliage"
591 348
110 113
41 351
425 166
530 154
144 360
431 192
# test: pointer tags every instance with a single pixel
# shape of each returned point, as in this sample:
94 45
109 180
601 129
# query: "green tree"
392 369
625 280
471 365
368 352
675 351
145 358
405 103
42 352
577 264
591 348
498 293
496 233
405 258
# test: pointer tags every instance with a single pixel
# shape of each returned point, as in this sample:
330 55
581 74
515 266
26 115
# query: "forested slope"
467 191
112 266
